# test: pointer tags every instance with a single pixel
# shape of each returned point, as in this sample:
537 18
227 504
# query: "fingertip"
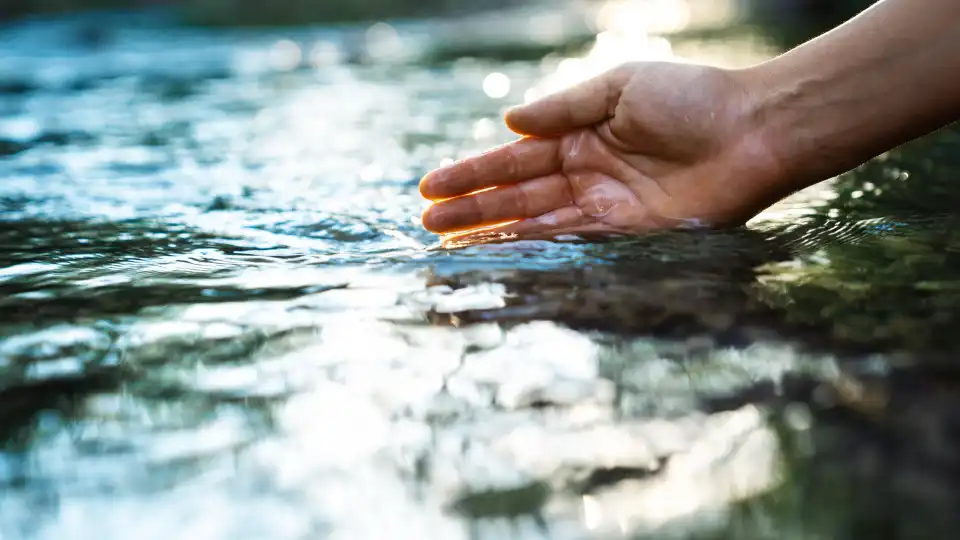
433 221
516 121
431 185
533 122
426 185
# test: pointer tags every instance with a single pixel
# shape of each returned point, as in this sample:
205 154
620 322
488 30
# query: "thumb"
583 105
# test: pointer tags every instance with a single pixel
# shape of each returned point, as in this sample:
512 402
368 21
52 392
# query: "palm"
612 185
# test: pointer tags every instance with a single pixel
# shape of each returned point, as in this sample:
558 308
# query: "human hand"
643 146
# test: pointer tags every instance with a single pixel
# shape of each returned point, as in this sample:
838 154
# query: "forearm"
886 77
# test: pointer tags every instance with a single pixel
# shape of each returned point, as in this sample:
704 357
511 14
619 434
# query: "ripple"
54 352
17 87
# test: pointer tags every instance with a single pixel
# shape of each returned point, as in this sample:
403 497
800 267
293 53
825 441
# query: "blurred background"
814 15
313 11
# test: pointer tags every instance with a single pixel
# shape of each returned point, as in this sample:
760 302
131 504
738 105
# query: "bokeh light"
285 55
371 173
325 53
496 85
656 16
383 43
484 129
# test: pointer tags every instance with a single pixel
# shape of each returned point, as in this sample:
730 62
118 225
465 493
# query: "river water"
221 319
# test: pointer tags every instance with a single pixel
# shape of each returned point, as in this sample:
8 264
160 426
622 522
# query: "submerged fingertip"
429 221
439 219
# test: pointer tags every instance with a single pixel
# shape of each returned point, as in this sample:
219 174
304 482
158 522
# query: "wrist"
803 133
764 143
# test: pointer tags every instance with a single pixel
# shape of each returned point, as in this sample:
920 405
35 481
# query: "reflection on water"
219 317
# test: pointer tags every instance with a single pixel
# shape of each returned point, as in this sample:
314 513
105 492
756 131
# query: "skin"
656 145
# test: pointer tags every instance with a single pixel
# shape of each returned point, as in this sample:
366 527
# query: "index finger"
585 104
508 164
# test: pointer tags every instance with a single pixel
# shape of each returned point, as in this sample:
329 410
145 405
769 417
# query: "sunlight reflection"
371 173
626 34
643 30
798 205
325 53
453 239
481 190
591 512
383 43
484 129
496 85
285 55
649 15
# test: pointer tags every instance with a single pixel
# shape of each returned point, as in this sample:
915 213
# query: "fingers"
516 202
559 219
515 162
588 103
566 220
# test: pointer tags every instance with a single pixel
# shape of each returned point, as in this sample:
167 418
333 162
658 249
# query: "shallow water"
220 317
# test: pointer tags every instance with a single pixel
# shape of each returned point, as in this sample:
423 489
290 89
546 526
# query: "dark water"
221 319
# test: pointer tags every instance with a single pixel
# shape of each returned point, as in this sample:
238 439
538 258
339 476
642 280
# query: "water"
221 319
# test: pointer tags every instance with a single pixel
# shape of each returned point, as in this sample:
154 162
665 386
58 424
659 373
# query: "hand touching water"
644 146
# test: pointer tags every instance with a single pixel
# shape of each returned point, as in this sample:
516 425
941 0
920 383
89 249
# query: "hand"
643 146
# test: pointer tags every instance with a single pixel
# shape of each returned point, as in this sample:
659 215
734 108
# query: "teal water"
221 319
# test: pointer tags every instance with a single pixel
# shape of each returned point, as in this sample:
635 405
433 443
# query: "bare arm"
886 77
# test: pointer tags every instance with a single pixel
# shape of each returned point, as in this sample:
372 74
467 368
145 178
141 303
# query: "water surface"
220 317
